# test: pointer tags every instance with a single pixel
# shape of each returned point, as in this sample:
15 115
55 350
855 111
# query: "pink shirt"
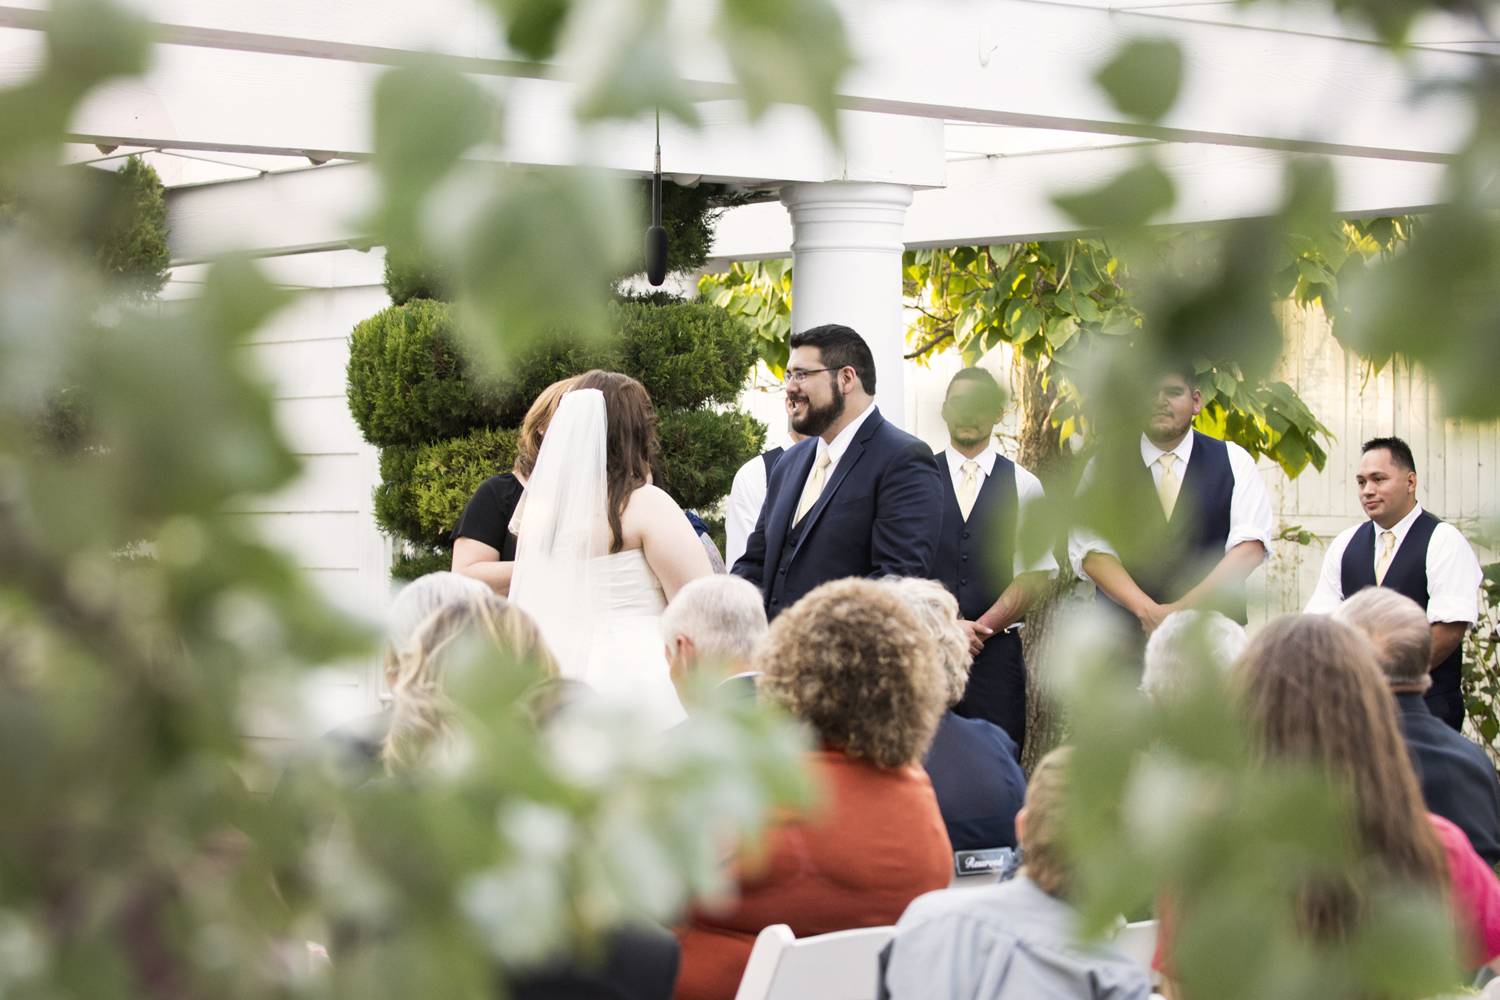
1476 894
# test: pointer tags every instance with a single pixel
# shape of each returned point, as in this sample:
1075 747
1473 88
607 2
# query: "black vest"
1407 574
976 558
1192 542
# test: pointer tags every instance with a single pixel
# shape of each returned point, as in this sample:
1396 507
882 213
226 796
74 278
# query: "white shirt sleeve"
746 495
1028 492
1081 540
1453 577
1330 590
1250 506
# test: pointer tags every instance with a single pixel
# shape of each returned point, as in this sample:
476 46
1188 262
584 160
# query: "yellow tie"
968 488
1384 562
814 487
1169 486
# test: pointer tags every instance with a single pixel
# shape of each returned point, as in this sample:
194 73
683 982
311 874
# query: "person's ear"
1020 826
1197 402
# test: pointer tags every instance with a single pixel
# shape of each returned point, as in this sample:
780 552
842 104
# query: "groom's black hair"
841 347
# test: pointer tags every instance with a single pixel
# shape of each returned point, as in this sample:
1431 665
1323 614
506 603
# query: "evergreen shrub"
443 428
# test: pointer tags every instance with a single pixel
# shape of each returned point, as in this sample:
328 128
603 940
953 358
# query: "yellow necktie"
968 488
1384 562
1169 486
814 487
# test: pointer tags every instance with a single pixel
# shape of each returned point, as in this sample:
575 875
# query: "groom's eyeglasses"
794 376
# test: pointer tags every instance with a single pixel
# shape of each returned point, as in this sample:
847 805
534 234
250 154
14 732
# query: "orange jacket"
875 844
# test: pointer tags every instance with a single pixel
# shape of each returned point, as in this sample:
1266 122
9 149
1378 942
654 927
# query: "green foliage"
407 567
143 622
423 488
409 274
761 292
410 380
1060 304
1143 77
132 248
701 450
1481 680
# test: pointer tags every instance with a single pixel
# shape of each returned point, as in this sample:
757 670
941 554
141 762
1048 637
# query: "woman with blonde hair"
601 550
973 763
421 711
483 546
852 661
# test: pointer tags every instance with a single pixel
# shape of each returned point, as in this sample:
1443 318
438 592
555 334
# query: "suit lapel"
846 462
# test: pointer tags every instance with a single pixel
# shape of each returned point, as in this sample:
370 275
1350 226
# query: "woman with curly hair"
853 662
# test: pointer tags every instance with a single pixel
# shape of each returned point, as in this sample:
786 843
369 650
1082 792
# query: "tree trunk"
1039 452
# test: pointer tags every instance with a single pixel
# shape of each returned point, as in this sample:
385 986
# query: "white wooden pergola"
962 118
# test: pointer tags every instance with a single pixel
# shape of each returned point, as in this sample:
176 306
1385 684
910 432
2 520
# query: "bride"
600 551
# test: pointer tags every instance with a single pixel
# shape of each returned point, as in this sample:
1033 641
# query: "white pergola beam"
296 73
1001 199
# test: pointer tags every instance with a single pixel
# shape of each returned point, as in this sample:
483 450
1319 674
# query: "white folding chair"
843 965
1137 942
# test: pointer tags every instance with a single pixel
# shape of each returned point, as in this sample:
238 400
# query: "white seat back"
843 965
1137 942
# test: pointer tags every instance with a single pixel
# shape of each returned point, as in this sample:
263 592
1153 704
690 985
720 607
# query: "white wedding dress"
599 612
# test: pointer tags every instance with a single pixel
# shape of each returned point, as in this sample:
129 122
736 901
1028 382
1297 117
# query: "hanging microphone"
656 236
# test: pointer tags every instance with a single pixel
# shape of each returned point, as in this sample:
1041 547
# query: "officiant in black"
980 558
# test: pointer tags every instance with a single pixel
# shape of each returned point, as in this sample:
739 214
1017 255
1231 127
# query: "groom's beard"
815 421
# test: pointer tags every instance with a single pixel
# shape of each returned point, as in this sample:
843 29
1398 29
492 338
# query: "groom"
857 496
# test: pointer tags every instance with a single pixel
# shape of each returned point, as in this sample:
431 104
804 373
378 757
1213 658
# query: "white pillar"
846 260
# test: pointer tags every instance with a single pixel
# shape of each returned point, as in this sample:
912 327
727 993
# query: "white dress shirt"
1249 505
1453 572
746 496
1028 491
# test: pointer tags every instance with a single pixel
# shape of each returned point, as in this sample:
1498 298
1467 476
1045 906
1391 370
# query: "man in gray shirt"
1013 941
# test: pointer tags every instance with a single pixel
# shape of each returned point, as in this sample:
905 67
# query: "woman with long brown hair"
601 550
1315 696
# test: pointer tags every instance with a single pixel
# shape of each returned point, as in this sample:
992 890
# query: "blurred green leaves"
1131 199
786 51
1143 77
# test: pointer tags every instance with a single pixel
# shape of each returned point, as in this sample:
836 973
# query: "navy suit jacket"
1458 780
880 514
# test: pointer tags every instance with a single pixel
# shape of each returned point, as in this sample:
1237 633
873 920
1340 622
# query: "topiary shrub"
424 487
701 450
131 245
443 432
408 382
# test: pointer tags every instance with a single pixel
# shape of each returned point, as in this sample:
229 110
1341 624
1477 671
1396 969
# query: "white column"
846 259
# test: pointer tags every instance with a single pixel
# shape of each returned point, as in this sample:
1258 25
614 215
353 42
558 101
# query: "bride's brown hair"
631 440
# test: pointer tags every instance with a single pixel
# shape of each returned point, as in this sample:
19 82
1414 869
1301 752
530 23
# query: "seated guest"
714 622
1015 940
1185 639
1458 780
1315 697
358 743
972 762
421 713
851 661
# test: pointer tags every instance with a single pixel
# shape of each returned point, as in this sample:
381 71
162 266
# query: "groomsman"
980 558
1407 549
1209 518
857 497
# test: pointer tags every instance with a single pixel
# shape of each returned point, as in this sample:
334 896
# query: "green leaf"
786 51
1143 77
641 76
1130 200
426 117
532 27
